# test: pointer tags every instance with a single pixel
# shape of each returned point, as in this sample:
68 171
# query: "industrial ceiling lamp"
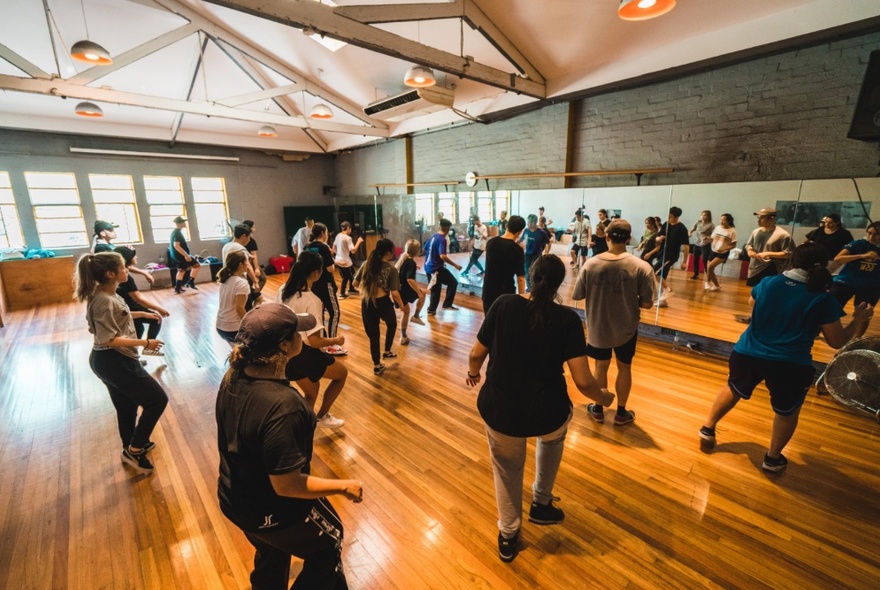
89 51
321 111
644 9
267 131
419 77
88 109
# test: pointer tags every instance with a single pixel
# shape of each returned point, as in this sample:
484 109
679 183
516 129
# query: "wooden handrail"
586 173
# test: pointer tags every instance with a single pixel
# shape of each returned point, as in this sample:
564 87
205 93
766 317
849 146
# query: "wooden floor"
644 507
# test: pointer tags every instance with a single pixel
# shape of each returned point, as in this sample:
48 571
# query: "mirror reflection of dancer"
114 358
410 290
525 394
860 275
379 283
723 241
788 312
264 486
344 247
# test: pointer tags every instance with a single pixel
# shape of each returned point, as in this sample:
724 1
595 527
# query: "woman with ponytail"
525 394
325 286
265 431
234 292
788 312
379 283
114 358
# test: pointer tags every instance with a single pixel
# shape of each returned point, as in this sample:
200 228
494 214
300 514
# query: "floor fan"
853 376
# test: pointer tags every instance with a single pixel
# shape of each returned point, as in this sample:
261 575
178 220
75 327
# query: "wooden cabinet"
28 283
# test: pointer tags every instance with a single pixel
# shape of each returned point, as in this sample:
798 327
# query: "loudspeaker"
866 120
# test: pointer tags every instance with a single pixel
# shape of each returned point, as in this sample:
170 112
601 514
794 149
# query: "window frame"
40 209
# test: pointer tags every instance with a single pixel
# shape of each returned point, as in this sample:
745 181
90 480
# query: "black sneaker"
192 285
774 465
508 548
178 289
450 308
139 461
707 438
596 412
378 370
389 355
545 513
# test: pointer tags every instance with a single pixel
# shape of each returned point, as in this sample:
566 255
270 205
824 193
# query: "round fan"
868 343
853 379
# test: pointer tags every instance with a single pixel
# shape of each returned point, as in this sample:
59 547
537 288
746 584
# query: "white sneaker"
328 420
336 350
152 352
707 286
417 320
714 288
404 340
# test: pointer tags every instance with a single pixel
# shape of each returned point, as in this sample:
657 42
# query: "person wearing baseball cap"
265 432
178 253
105 233
767 244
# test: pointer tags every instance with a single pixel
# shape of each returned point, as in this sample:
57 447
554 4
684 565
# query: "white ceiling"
173 56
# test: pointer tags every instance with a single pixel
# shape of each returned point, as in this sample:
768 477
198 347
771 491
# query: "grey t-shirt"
778 240
109 317
703 233
614 287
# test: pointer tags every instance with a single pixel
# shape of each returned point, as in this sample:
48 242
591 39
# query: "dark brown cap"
264 327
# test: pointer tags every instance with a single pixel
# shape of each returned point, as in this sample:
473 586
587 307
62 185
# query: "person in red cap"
265 431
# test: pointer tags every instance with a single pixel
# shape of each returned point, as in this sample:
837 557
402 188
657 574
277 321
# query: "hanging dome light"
321 111
88 109
90 52
419 77
267 131
644 9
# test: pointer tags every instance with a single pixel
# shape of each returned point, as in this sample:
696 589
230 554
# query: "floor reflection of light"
432 532
700 498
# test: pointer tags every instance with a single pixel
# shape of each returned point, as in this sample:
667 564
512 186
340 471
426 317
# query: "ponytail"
546 275
297 281
813 258
373 267
91 271
233 262
318 230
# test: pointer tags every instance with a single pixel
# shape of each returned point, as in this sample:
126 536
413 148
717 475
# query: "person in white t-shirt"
301 238
312 364
344 247
481 234
723 241
234 291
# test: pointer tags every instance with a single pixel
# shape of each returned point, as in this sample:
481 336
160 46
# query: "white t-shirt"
232 247
480 235
227 317
305 302
343 244
300 240
720 237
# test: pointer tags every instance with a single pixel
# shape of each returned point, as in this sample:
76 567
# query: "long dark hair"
373 267
243 356
318 230
91 271
813 258
231 264
297 281
546 275
729 219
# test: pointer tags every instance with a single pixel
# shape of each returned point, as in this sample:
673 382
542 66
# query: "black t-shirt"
600 244
407 271
676 237
177 237
125 290
505 261
834 243
264 427
251 246
323 250
525 393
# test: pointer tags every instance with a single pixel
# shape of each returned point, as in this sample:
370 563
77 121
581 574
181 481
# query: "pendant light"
321 111
89 51
267 131
419 77
88 109
644 9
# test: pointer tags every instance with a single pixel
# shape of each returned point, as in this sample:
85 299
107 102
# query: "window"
484 206
115 202
446 206
57 209
165 197
10 228
425 208
465 202
209 196
502 201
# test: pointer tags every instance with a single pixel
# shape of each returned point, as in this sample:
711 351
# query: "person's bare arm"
255 262
836 335
240 302
450 261
182 252
136 295
521 285
685 251
415 285
586 383
147 275
846 256
356 245
309 487
476 358
315 340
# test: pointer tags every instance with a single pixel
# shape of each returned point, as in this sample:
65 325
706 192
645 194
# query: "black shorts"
722 255
580 249
185 264
788 382
623 353
311 363
409 296
770 271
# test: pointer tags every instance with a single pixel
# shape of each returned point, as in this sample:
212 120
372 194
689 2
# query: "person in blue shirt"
537 243
860 275
436 259
788 312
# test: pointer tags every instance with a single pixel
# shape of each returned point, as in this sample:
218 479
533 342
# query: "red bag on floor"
281 263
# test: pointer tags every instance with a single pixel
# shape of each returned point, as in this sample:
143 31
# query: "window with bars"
165 198
425 208
115 202
465 203
10 227
484 206
209 198
502 201
446 206
57 209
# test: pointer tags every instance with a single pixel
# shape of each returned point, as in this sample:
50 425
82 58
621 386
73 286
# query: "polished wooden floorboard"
644 507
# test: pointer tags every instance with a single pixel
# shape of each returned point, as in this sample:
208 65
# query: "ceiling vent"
412 103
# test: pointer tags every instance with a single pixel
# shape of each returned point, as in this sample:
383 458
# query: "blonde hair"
91 271
411 248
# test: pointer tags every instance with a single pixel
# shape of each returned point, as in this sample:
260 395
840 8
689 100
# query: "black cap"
262 328
179 219
127 253
102 225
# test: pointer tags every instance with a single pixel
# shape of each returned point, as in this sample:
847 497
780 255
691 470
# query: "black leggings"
316 539
704 252
371 313
130 387
153 327
347 274
326 292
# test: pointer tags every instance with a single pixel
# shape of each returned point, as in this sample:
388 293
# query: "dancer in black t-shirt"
505 264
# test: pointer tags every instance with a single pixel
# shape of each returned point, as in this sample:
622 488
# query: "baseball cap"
102 225
127 253
179 219
767 211
262 328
